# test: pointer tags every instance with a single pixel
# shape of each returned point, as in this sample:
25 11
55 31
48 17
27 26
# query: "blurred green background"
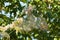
49 9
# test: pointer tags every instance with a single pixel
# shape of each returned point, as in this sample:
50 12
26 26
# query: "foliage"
49 10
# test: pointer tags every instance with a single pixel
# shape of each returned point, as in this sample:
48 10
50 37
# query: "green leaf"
37 0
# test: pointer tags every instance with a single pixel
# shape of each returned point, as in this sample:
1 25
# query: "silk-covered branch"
27 23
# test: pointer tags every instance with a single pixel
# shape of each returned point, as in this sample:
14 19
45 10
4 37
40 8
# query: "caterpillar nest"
27 23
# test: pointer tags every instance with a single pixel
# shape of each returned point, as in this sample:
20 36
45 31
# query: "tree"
39 19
